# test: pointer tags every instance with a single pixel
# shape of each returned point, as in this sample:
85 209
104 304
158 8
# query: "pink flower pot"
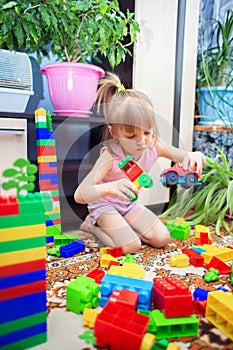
72 86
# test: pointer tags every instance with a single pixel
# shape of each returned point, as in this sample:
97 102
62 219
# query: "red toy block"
118 327
46 150
199 307
195 259
115 252
218 265
172 296
116 263
96 275
204 239
9 205
25 267
124 297
44 168
22 290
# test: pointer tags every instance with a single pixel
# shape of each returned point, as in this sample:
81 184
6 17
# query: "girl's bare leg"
149 227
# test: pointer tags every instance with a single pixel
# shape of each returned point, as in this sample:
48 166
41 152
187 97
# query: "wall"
155 69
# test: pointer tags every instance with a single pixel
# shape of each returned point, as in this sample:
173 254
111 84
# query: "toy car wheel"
145 181
171 178
190 180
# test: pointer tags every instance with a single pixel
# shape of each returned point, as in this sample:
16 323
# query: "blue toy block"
22 334
112 282
223 289
22 306
71 249
24 278
198 250
52 177
44 134
53 164
49 223
50 239
200 294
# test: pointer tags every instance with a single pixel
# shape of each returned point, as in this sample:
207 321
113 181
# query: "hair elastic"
121 88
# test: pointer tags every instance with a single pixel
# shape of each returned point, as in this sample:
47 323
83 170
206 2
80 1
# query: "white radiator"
15 81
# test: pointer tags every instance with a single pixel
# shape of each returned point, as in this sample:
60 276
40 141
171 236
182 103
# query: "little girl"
130 130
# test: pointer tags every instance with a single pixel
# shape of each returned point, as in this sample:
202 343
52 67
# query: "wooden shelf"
212 128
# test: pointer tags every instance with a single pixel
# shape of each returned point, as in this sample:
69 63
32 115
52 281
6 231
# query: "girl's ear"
110 130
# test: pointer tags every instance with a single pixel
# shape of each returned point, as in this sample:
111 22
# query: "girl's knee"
157 239
132 247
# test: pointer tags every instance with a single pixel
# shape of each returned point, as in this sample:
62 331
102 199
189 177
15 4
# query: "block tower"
23 309
47 164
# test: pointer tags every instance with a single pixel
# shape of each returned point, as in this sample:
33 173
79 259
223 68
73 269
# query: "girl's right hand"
124 189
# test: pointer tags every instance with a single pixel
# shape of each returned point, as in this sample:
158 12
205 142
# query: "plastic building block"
127 298
112 282
127 258
176 175
160 345
200 294
96 275
147 341
211 275
201 228
219 265
82 293
9 205
199 307
151 325
89 317
105 260
224 254
179 260
115 251
25 267
194 258
118 327
54 251
103 250
174 327
219 311
198 250
71 249
178 229
204 239
172 296
173 346
88 336
128 270
113 263
21 256
60 240
232 275
22 232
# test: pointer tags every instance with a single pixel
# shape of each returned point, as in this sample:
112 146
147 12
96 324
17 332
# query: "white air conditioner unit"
15 81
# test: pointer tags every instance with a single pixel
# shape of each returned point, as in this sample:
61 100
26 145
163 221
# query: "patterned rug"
65 327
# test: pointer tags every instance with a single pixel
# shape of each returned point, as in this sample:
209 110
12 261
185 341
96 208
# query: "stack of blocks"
22 270
47 164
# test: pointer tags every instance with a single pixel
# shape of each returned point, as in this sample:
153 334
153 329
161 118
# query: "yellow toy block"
147 341
219 311
201 228
222 253
105 260
173 346
46 159
179 221
103 250
21 232
128 270
179 260
89 317
21 256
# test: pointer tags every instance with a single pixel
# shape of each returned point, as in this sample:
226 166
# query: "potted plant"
210 203
214 70
73 31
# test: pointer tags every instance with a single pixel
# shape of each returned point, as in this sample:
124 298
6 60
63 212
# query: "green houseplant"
72 31
214 70
210 203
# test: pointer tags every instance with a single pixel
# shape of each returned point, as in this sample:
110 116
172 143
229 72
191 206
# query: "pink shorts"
104 206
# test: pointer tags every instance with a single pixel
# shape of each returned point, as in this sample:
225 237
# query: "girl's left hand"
194 161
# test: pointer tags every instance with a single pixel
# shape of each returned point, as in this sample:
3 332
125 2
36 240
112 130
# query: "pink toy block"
118 327
172 296
195 259
96 275
124 297
9 205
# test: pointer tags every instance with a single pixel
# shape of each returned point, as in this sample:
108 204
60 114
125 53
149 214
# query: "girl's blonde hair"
126 108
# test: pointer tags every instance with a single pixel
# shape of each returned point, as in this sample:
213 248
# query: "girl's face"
135 142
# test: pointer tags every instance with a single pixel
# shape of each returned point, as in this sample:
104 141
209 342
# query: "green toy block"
21 220
35 203
151 325
49 142
53 230
60 240
179 231
82 293
54 251
174 327
26 343
162 344
21 244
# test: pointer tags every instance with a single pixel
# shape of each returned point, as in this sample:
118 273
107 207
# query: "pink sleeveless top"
145 162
